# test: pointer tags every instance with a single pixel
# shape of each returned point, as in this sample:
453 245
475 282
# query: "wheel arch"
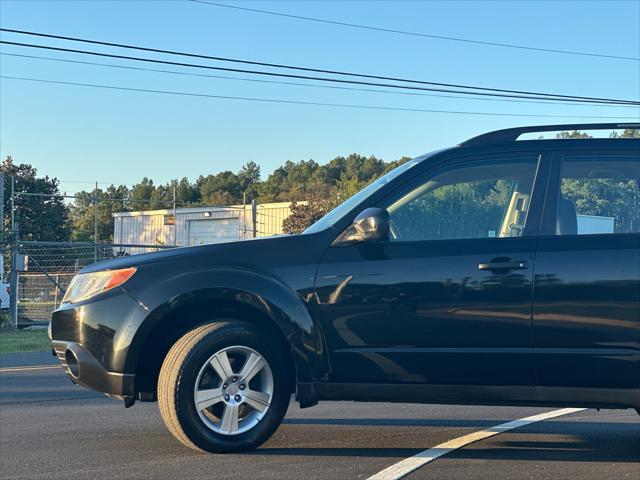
248 296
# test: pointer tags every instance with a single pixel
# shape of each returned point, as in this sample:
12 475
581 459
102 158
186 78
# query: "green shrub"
303 215
6 322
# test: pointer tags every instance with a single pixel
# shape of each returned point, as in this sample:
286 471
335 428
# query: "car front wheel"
223 387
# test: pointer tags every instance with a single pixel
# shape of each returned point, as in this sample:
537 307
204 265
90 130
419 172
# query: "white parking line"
28 369
405 467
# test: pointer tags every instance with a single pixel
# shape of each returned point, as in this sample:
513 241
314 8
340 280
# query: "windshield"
337 213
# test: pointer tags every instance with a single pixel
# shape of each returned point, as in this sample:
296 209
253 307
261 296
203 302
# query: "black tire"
178 376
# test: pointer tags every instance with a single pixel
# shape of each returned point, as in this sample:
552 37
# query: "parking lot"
51 429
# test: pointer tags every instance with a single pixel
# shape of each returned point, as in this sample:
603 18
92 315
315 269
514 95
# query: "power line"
292 67
298 102
419 34
91 182
174 72
89 197
324 79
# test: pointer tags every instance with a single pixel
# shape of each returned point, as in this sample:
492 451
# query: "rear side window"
599 194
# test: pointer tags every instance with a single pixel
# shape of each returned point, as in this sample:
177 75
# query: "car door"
586 318
447 299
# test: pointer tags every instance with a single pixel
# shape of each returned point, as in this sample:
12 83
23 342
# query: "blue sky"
81 135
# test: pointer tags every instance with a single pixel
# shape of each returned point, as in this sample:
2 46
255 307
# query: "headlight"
87 285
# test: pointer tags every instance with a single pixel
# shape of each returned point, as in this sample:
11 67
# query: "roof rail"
512 134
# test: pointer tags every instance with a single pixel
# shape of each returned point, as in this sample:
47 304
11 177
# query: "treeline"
52 218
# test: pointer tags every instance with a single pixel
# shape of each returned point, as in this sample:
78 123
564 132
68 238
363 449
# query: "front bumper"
85 370
92 340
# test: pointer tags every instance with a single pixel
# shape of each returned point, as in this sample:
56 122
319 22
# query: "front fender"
276 300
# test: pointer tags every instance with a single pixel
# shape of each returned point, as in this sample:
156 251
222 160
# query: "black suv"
500 271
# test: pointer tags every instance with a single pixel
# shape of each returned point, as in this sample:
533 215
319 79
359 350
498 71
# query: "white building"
198 225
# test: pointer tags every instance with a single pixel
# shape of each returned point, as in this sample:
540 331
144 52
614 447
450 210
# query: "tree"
305 214
38 217
187 192
140 195
249 177
323 186
626 133
574 134
81 213
292 181
225 188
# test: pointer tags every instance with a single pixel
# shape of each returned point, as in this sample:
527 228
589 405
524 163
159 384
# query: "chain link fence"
51 266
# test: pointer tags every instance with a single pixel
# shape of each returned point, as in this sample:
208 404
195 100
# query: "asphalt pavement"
52 429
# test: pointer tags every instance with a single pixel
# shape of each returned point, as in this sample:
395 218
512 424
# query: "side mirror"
371 225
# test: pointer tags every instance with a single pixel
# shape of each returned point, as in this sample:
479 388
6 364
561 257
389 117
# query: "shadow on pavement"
400 422
336 452
562 442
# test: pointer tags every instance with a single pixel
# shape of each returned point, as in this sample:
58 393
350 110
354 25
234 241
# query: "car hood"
238 253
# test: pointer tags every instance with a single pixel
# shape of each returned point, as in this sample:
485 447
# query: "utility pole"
2 208
13 276
2 229
95 222
13 206
13 281
243 233
254 217
175 219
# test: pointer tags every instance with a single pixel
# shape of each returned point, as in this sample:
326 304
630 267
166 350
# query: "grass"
24 341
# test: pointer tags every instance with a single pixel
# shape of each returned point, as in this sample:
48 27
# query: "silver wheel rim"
233 390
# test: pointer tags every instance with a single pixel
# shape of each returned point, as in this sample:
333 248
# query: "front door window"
476 201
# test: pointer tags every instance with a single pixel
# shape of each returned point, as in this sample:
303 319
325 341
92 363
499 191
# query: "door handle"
517 265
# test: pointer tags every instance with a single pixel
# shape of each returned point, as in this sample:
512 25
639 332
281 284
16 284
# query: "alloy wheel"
233 390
